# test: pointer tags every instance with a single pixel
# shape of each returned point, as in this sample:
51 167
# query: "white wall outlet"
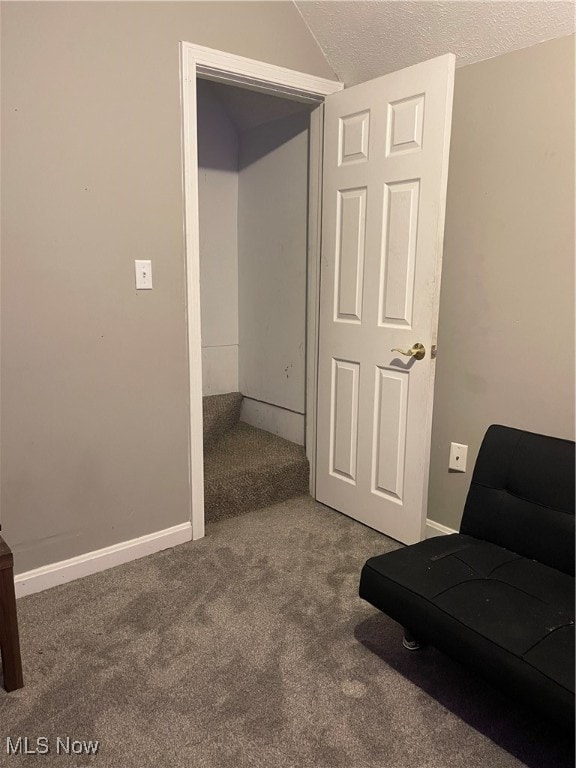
143 269
458 456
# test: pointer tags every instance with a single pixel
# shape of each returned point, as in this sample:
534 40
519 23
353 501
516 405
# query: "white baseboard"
51 575
274 419
437 529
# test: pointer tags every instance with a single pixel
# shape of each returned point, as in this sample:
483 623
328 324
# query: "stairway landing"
246 468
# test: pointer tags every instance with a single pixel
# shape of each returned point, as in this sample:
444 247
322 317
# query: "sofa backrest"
522 496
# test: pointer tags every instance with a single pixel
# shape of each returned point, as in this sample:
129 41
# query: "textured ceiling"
362 40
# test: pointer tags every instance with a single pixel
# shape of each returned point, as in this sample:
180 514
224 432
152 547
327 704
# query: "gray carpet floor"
250 648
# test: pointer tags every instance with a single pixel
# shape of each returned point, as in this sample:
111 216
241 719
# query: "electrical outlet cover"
458 457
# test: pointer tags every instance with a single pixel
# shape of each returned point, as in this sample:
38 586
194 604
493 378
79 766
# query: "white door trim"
316 146
198 61
258 75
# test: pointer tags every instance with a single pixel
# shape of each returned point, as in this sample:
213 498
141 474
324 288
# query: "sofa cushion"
522 496
483 604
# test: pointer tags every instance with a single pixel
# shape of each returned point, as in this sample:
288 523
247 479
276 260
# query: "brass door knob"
417 351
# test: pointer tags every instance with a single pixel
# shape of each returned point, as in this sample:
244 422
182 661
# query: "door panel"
384 187
344 422
400 226
351 225
389 431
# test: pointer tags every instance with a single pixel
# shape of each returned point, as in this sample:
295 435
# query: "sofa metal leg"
410 642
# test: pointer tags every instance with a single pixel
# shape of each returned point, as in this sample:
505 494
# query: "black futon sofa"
499 595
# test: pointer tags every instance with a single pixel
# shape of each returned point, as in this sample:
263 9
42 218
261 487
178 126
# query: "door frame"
209 64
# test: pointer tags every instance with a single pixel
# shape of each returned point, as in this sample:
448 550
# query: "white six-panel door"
386 149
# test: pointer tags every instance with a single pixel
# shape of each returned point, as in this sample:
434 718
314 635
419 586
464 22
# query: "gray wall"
218 217
272 239
506 335
94 375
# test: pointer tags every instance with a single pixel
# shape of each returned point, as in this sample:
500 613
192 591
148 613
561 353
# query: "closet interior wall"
253 205
218 146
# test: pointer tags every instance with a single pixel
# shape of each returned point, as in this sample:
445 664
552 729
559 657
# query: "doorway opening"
218 66
253 166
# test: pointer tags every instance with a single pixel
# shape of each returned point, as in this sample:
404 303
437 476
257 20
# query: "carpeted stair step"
249 468
220 414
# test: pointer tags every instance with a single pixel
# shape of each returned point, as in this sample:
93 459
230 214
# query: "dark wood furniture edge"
9 638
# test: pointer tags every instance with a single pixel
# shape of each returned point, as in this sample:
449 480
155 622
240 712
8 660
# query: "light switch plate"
458 456
143 269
